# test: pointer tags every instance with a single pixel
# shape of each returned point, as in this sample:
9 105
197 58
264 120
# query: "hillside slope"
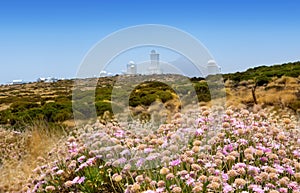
276 85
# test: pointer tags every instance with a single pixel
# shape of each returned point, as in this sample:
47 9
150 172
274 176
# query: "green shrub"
164 95
101 107
148 99
54 112
103 93
202 91
5 117
147 93
134 101
262 80
287 69
62 115
22 106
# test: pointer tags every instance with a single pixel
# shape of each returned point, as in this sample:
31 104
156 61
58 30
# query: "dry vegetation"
22 152
281 92
27 155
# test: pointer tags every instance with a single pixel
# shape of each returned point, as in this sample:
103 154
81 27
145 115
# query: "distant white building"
103 73
131 68
17 82
51 79
213 68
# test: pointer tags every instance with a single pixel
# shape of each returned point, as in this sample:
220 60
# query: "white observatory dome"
212 67
211 63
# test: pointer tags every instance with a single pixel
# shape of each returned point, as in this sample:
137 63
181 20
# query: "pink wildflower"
227 188
290 170
78 180
283 190
190 181
81 159
148 150
175 162
91 161
296 153
279 168
199 132
59 172
293 186
119 133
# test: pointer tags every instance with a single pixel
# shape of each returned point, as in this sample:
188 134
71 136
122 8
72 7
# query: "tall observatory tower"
154 67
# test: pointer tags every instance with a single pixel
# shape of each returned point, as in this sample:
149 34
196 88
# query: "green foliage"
164 96
57 112
262 80
101 107
202 91
291 69
148 99
22 106
103 93
22 113
5 117
13 99
147 93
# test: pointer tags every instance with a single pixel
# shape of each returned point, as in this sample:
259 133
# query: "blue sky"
51 37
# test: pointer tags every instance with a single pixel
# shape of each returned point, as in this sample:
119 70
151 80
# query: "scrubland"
249 144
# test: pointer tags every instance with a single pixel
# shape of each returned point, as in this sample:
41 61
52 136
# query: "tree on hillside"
260 80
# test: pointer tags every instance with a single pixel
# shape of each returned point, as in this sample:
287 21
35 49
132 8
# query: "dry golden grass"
25 152
269 99
4 107
280 92
288 98
69 123
272 97
281 80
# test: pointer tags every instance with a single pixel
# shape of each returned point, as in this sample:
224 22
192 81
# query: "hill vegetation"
52 102
253 146
264 74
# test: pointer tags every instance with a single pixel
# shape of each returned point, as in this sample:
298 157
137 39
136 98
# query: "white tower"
154 67
131 68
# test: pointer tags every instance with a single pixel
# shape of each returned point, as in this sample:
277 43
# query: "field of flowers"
237 151
217 151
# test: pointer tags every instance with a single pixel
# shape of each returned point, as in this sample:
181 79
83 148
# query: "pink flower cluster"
240 151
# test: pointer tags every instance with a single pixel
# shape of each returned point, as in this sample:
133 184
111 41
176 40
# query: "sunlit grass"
22 152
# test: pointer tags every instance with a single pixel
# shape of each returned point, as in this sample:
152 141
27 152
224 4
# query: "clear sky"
40 38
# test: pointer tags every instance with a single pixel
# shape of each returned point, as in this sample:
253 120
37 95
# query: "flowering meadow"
215 151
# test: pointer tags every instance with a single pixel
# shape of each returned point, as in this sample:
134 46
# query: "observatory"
131 68
212 68
154 67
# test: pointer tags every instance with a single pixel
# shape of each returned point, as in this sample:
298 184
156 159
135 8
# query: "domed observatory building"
131 68
213 68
